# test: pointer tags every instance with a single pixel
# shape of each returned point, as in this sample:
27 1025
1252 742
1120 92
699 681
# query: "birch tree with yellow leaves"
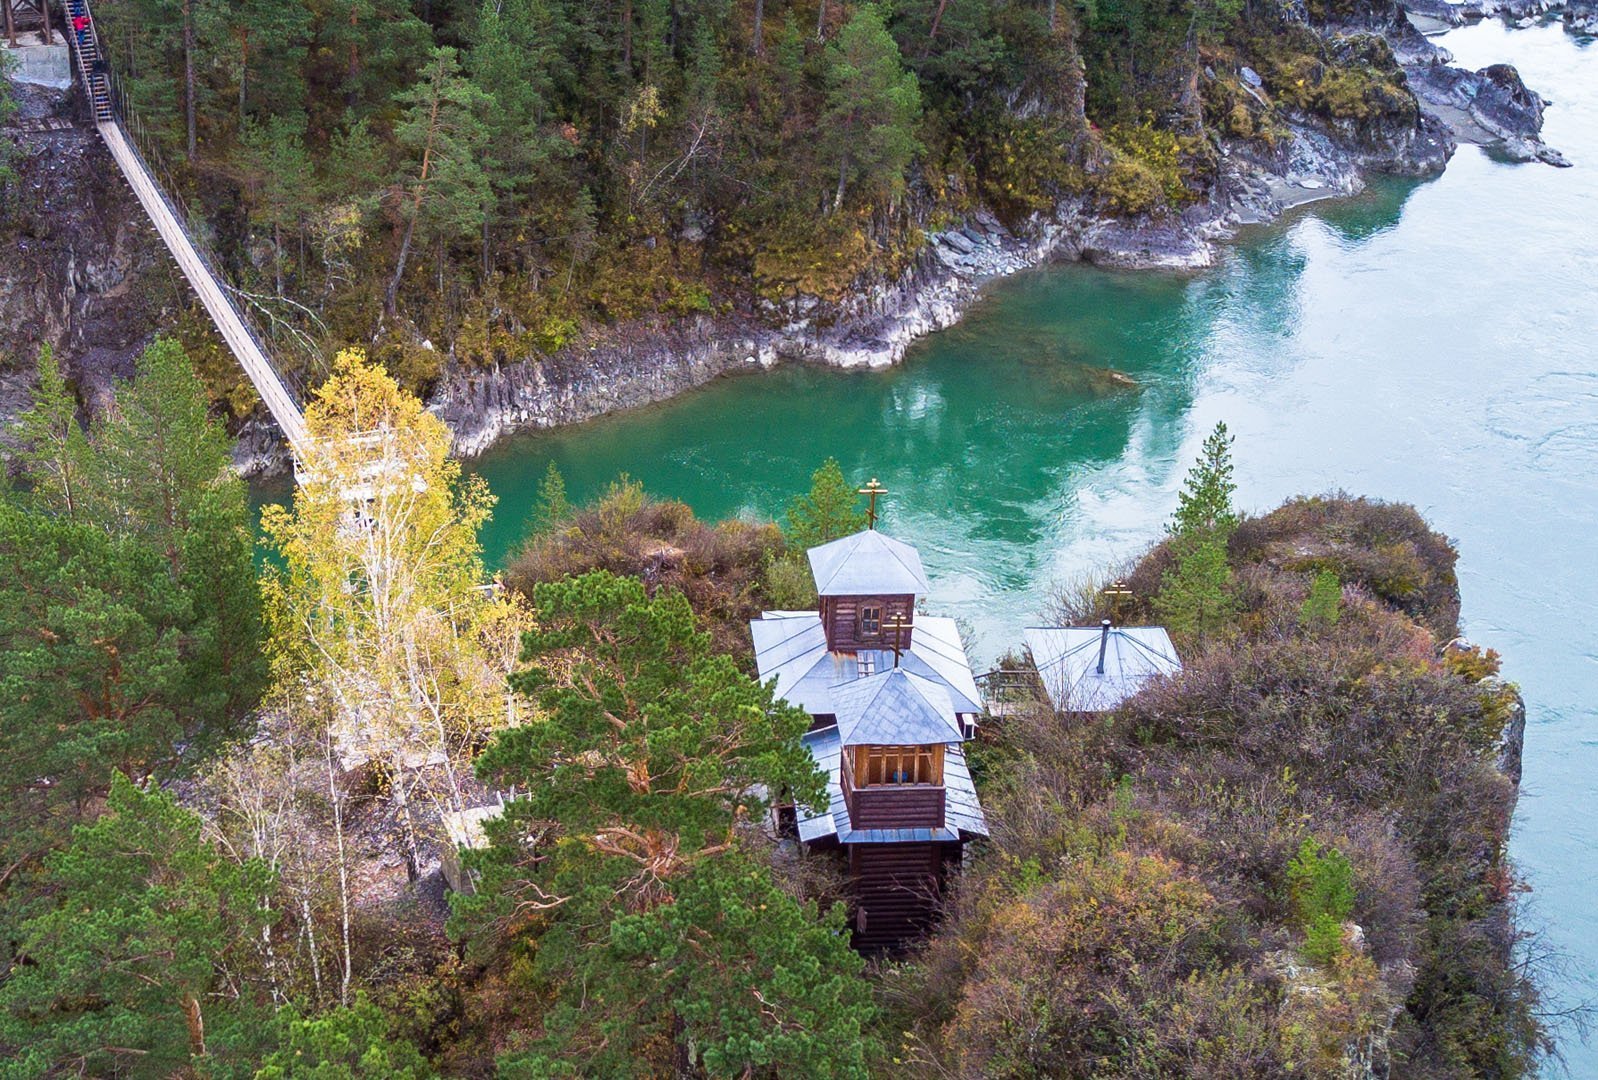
385 630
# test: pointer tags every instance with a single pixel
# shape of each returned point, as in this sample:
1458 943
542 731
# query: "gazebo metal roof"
1068 660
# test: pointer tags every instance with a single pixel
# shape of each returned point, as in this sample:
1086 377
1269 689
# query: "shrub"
1387 549
1324 604
1117 967
721 569
1129 186
1322 886
1147 169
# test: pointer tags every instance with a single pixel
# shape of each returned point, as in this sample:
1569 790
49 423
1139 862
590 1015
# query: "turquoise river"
1435 343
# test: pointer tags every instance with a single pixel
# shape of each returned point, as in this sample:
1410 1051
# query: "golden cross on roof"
896 623
871 491
1116 590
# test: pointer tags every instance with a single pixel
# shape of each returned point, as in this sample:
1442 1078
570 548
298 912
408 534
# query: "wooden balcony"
892 806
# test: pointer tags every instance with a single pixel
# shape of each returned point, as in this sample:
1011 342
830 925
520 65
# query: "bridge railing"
1005 690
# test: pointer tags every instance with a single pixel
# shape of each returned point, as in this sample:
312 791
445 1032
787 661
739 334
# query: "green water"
1433 343
1013 458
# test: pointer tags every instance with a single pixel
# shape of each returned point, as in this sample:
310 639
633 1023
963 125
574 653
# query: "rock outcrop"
83 272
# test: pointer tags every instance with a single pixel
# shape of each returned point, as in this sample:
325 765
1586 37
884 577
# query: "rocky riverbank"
1577 16
641 364
92 282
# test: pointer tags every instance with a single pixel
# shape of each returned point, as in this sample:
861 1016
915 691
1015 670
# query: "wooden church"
892 699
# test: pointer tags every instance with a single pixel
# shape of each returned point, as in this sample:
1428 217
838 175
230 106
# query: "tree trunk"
1053 15
196 1025
188 76
627 34
843 176
353 72
937 18
244 72
337 800
391 295
402 799
821 21
277 256
757 45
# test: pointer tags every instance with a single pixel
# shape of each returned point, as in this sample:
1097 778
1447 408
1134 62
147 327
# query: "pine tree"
1195 597
261 45
552 506
1204 506
1195 600
830 510
53 449
354 1043
130 623
656 927
445 189
128 960
277 168
872 106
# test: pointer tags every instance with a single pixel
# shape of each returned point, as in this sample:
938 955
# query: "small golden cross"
897 623
871 491
1116 591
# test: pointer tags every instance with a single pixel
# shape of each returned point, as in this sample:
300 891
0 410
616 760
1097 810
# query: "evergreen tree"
657 934
552 506
830 510
129 614
1323 607
260 45
354 1043
1204 506
277 167
515 57
375 45
445 189
872 107
127 969
52 449
1195 598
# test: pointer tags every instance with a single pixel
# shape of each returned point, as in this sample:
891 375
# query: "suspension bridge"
94 74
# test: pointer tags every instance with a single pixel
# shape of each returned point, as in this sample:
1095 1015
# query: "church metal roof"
1067 660
791 646
868 564
894 708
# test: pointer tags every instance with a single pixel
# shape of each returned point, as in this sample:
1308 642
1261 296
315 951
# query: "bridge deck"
228 324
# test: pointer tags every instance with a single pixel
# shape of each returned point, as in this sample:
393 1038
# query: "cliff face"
643 363
83 273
